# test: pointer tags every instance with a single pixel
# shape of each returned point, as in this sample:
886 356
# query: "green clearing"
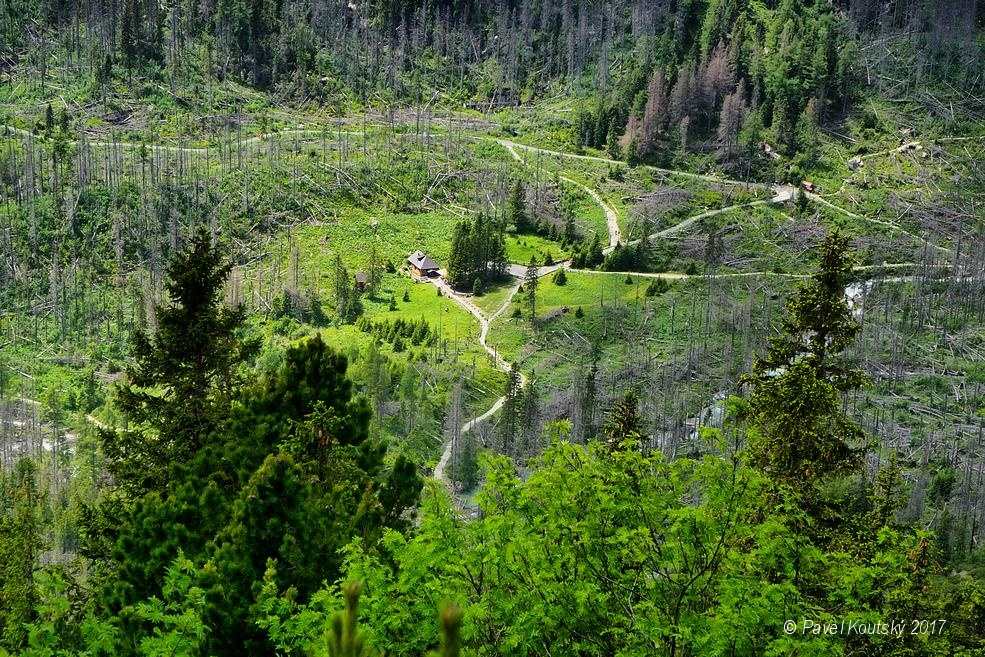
596 294
521 248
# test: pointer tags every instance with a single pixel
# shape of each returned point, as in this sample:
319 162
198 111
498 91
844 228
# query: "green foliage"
451 624
344 638
555 558
656 287
20 543
61 628
176 618
530 281
800 433
889 494
418 332
180 385
624 426
478 253
516 209
289 474
346 295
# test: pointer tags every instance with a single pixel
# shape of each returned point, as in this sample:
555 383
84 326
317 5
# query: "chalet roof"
420 260
362 277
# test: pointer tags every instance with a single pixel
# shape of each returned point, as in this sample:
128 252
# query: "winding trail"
781 194
507 144
854 215
611 216
501 364
196 150
680 276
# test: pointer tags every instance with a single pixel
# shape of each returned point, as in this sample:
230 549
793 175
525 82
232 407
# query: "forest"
458 329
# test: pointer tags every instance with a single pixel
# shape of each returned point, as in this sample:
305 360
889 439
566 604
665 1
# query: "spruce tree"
612 145
179 387
800 433
498 262
589 392
374 272
20 543
530 279
516 209
510 414
888 494
595 256
459 266
570 234
344 291
624 423
130 33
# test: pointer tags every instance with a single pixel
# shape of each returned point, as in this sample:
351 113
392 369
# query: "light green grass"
492 299
521 248
593 293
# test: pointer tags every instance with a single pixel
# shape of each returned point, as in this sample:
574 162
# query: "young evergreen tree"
509 417
589 394
345 296
179 388
530 279
516 209
624 424
800 432
20 543
595 255
612 143
374 272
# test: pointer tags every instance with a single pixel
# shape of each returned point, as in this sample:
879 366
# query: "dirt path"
781 194
611 216
507 144
690 221
501 364
195 150
854 215
679 276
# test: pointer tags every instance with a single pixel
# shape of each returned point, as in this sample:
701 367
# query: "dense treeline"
785 70
478 253
705 57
